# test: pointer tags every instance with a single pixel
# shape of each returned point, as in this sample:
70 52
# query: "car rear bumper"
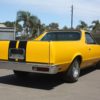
29 67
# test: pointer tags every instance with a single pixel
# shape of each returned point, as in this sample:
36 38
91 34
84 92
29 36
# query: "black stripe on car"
12 45
23 45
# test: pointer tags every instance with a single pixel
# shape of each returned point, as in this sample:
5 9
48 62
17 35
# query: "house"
6 33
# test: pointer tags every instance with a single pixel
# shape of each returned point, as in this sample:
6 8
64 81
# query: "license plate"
16 53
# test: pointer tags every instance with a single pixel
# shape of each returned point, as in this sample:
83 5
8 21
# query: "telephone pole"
72 17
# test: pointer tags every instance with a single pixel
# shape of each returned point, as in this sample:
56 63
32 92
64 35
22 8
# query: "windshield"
61 36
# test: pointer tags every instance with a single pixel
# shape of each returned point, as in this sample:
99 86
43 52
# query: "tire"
98 65
20 73
73 72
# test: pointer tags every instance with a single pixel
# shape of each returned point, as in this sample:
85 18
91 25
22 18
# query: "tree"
30 22
9 24
95 26
65 28
53 26
83 25
42 27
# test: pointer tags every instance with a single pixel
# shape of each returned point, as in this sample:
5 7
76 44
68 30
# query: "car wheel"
20 73
98 65
73 72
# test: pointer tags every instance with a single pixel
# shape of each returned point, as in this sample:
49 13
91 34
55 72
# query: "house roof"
3 28
2 25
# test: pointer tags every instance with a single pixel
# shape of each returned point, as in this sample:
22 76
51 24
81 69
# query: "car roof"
69 30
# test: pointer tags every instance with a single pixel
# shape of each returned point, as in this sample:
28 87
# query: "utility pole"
72 17
15 30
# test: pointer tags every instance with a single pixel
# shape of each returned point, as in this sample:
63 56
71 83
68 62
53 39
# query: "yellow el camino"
51 53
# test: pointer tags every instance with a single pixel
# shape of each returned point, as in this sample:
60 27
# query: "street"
49 87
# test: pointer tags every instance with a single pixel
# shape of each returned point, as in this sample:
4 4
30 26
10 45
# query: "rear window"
61 36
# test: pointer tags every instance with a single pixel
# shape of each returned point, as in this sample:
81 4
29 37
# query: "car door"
93 48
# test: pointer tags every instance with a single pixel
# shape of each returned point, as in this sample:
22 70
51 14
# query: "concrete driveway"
46 87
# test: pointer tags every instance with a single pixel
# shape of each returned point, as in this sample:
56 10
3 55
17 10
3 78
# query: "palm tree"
83 26
95 26
96 30
30 22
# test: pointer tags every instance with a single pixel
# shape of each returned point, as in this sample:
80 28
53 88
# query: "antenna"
72 17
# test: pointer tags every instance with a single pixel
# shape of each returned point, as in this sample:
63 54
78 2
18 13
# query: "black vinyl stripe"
12 44
23 45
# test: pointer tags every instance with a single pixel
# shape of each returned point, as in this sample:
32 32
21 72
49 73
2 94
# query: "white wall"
6 36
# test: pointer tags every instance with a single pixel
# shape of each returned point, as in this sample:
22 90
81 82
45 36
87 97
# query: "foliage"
30 22
9 24
53 26
31 25
65 28
83 26
95 26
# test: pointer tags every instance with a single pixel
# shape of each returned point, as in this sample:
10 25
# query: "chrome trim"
28 67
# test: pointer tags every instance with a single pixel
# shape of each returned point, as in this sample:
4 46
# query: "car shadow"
40 81
88 70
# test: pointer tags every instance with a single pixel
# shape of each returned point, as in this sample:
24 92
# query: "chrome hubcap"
76 70
76 73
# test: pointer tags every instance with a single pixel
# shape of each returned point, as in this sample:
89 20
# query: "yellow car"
52 52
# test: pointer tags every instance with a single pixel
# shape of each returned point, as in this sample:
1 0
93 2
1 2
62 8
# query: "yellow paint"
64 52
40 37
37 51
17 44
17 47
60 53
4 45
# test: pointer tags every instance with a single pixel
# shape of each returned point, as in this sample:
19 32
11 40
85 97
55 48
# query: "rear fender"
75 56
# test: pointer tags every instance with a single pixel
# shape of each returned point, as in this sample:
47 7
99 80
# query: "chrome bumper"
29 67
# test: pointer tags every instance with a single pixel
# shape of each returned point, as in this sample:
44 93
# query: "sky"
49 11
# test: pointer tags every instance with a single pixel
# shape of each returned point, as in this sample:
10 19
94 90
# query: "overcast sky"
52 10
